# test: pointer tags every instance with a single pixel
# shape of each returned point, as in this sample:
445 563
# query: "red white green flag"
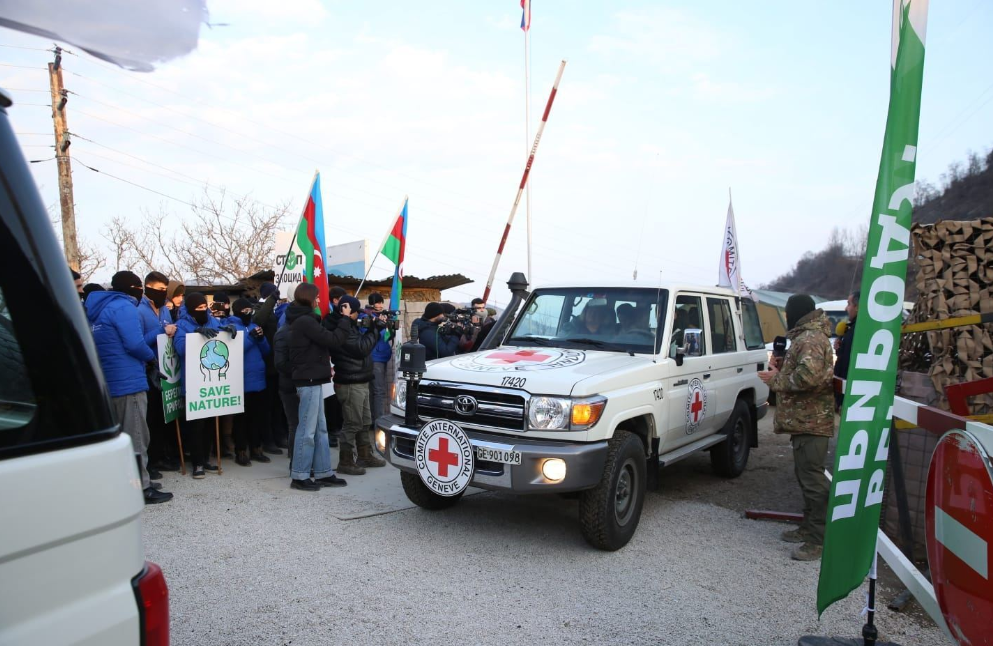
310 239
393 249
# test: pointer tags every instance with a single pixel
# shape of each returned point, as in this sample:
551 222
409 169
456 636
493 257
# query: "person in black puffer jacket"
352 374
310 361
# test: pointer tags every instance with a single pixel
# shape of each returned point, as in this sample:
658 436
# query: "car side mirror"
692 343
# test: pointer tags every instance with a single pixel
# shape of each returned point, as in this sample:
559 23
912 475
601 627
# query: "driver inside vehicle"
596 320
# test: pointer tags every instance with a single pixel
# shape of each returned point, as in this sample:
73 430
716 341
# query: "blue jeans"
310 447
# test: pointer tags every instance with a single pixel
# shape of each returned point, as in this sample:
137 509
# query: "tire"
418 493
730 457
609 514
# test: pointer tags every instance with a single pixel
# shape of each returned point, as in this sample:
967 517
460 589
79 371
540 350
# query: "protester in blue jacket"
381 355
194 318
250 426
123 353
163 452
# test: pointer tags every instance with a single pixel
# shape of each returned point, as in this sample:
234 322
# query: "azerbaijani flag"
393 249
310 238
526 14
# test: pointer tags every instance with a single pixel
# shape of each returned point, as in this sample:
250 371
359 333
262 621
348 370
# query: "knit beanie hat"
175 289
432 310
798 306
127 282
240 304
352 303
194 300
222 297
266 290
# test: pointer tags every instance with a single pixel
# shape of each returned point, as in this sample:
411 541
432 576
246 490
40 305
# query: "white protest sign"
289 265
215 375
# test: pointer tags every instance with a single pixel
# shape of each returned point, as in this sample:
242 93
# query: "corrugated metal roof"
442 282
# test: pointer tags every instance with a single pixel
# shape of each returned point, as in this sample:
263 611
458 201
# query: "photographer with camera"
480 325
437 343
381 355
352 374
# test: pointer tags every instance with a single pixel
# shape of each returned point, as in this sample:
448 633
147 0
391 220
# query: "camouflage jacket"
804 386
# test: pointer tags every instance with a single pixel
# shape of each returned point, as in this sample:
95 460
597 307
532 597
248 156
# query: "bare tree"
90 259
225 240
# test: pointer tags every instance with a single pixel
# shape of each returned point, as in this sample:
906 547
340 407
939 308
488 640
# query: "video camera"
369 319
459 323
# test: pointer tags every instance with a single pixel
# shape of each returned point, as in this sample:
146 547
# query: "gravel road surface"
251 562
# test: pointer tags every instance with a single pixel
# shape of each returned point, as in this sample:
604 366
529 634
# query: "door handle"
741 370
706 376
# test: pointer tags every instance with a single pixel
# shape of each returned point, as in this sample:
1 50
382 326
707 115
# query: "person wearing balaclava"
156 320
804 387
123 353
250 426
195 318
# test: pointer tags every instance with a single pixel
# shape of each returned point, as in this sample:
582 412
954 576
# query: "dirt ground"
767 484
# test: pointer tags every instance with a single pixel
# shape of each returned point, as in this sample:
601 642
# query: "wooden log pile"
954 278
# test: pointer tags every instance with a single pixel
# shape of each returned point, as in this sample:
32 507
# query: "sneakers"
368 459
331 481
272 449
241 459
198 473
305 485
154 474
793 536
153 497
210 467
807 552
259 456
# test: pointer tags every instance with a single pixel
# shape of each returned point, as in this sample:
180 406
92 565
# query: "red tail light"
152 595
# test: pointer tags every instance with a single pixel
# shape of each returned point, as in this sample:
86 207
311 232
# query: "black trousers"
333 415
198 437
250 426
162 437
277 428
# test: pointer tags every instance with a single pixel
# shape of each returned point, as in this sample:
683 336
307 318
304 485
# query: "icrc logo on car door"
696 405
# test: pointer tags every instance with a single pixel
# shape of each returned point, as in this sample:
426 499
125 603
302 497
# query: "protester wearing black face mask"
78 279
163 452
194 317
250 426
123 354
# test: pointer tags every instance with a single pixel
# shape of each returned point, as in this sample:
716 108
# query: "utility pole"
59 99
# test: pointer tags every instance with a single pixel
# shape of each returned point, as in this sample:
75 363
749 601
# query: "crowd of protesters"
311 383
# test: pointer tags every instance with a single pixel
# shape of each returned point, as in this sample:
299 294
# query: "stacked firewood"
954 278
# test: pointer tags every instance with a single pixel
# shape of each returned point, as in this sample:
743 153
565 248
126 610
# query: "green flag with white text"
863 438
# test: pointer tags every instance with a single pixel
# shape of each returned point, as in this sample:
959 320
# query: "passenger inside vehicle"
595 320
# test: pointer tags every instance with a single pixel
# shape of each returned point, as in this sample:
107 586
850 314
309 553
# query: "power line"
22 67
135 184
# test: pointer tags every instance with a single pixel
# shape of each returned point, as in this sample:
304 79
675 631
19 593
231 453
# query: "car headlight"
549 413
400 393
564 414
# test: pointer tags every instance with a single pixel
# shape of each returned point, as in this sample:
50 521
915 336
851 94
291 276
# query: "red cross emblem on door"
443 457
696 407
520 355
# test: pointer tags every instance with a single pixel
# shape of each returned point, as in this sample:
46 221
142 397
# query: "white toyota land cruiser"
589 390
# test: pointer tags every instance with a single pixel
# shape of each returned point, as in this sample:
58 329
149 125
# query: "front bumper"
584 461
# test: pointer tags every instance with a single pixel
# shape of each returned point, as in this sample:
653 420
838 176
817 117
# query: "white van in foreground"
72 565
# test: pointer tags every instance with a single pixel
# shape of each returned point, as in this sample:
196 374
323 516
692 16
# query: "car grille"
494 409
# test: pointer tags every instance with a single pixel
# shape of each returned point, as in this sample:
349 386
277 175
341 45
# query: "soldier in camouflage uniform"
805 410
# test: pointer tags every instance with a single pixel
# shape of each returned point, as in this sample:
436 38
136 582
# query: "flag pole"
293 240
524 181
381 245
527 134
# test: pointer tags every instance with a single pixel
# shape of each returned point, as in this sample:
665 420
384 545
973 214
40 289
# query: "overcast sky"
662 108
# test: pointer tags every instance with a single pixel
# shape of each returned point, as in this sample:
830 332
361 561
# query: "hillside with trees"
966 193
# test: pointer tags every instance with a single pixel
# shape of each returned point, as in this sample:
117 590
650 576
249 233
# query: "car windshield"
611 319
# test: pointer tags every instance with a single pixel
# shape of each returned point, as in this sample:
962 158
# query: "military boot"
368 459
346 461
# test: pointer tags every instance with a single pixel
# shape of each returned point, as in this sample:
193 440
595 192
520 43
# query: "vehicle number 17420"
514 382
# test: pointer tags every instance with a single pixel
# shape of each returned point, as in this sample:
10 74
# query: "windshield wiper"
597 343
536 340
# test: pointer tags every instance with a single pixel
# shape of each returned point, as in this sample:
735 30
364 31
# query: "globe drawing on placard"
214 360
